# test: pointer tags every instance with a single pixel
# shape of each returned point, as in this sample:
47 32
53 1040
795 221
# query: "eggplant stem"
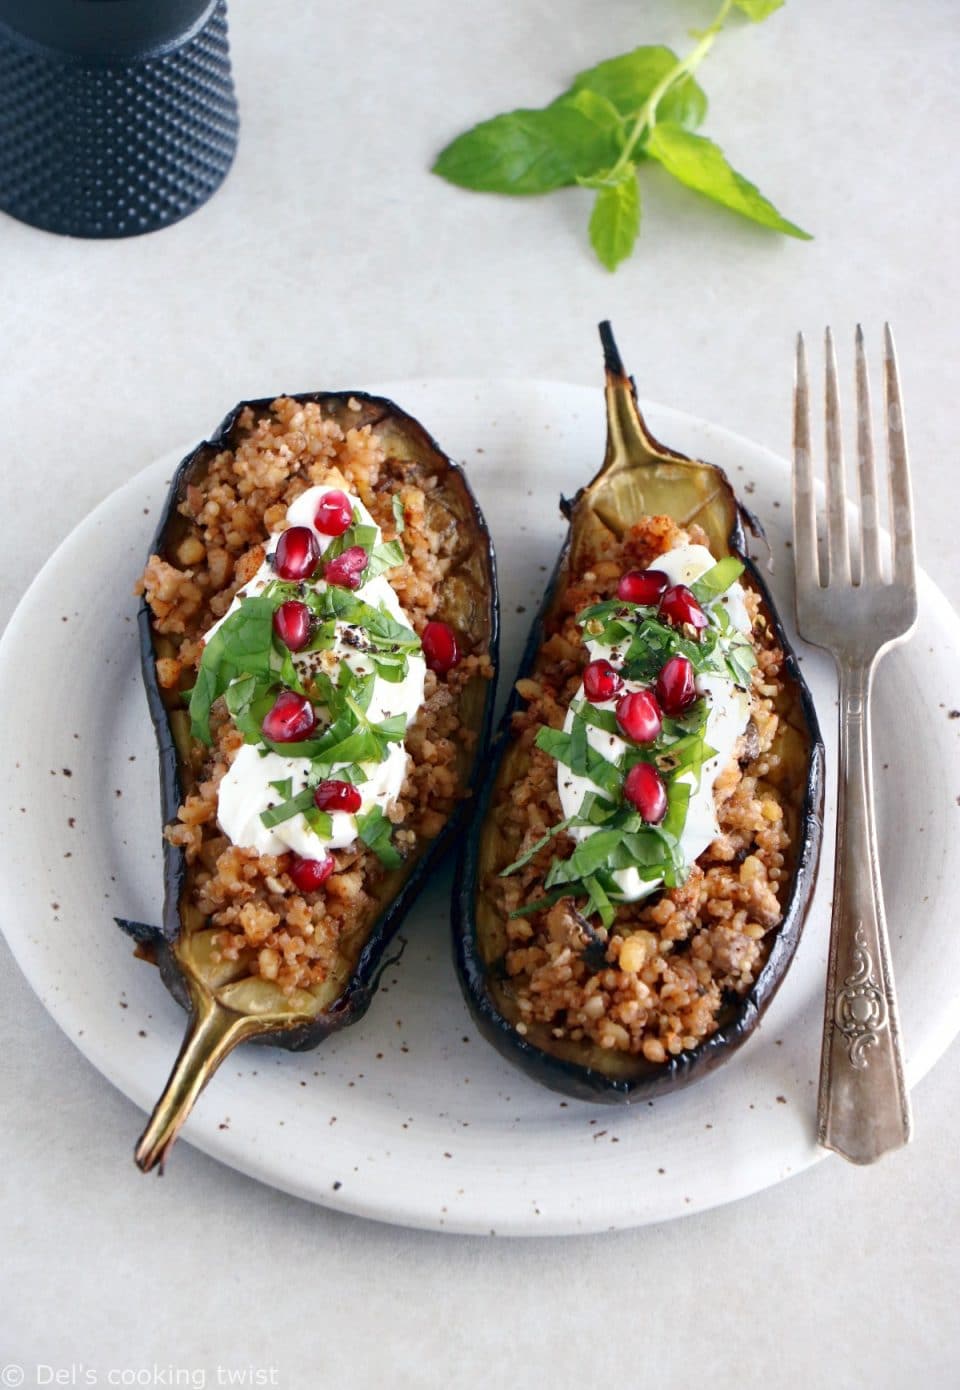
213 1033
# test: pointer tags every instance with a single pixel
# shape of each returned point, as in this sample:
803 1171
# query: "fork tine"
867 474
838 549
901 499
804 513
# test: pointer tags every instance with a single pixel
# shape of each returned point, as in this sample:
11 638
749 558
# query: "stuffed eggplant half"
318 629
646 848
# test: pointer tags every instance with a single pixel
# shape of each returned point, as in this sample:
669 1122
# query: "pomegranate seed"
311 874
678 606
291 718
297 554
337 796
347 569
292 623
642 586
440 650
639 716
334 513
600 681
675 688
643 788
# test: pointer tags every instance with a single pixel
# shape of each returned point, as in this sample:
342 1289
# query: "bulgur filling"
264 912
642 965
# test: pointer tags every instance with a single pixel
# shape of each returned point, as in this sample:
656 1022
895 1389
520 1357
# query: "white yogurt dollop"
729 714
245 791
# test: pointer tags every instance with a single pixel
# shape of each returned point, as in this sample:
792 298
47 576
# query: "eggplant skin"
159 943
622 1080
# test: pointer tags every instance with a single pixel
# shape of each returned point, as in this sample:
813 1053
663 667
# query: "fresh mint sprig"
639 106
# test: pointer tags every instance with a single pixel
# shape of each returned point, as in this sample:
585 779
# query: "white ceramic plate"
409 1116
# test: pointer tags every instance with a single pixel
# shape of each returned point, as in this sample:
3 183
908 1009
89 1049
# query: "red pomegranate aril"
642 586
440 650
334 513
643 788
600 681
291 718
638 715
676 687
292 622
337 796
311 874
678 606
297 554
346 571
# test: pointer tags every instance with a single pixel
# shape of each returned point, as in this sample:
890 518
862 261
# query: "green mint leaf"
598 901
757 10
320 822
615 220
678 802
375 830
360 533
595 106
701 165
292 806
527 152
539 904
716 581
393 673
241 646
398 516
535 848
628 81
382 558
283 789
590 855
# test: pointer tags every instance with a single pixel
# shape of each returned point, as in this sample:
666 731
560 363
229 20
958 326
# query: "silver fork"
863 1108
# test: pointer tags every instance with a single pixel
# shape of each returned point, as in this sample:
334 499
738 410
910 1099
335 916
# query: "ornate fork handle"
864 1107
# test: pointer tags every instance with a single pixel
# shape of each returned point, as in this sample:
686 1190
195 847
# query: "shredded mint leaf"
601 772
716 581
539 904
283 789
590 855
382 558
678 802
629 80
598 902
376 831
292 806
528 151
535 848
604 719
241 646
741 659
615 220
398 516
701 165
320 822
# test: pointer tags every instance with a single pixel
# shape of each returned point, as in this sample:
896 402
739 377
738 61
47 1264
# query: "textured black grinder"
116 116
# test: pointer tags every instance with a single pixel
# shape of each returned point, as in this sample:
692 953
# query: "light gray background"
332 257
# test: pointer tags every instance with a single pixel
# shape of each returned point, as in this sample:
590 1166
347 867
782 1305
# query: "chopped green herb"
535 849
716 581
376 831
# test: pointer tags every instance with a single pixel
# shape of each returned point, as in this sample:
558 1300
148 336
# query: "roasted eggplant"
228 1000
640 478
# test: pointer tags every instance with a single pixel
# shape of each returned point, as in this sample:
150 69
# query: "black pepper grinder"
116 116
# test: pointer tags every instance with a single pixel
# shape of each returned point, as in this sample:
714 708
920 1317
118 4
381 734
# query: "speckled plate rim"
541 1166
